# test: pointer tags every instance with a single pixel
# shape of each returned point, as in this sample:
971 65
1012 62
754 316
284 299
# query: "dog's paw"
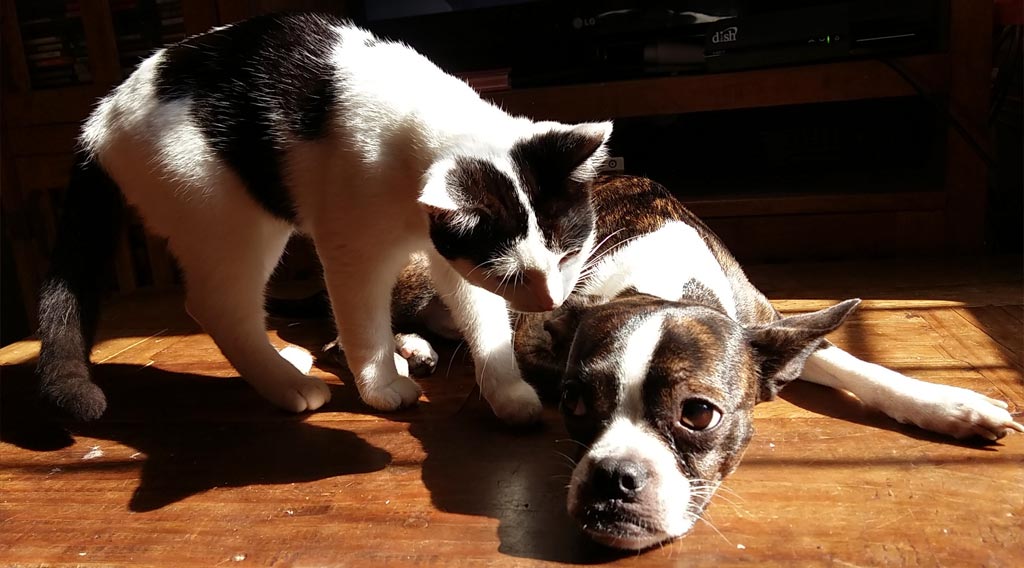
421 357
387 395
298 357
516 403
296 394
957 412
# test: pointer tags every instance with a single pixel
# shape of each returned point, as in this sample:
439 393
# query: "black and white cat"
230 141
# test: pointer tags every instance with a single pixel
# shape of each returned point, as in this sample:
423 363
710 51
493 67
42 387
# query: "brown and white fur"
662 352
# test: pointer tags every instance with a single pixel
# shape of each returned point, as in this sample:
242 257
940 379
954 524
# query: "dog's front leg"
941 408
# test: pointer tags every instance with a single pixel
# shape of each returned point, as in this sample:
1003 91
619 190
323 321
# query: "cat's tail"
69 300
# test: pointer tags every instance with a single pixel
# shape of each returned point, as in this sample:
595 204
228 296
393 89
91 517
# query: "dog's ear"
561 324
782 347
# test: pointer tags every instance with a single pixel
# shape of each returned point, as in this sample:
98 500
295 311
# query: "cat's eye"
572 400
698 414
566 259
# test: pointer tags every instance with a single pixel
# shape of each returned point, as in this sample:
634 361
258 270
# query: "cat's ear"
781 348
562 151
593 150
587 144
436 193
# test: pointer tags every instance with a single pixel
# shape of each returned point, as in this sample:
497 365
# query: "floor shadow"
476 465
193 433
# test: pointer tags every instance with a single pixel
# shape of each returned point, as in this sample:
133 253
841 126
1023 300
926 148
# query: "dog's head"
661 394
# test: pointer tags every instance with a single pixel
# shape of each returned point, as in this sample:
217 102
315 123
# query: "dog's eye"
699 415
572 400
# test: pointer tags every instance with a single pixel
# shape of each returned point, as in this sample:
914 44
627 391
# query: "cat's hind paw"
958 412
398 393
516 403
421 357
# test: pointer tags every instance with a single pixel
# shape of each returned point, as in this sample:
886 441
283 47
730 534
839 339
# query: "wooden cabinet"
60 57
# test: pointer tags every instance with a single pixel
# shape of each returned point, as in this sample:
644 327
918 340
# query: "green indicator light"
828 40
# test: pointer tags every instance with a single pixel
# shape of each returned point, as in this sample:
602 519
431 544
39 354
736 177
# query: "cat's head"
520 223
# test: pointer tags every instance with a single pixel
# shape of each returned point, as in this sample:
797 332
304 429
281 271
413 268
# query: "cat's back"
236 96
272 58
273 71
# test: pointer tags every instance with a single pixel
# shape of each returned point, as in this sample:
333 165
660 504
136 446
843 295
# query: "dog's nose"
617 479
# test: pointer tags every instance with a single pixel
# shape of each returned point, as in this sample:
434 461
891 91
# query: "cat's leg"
941 408
484 320
226 266
360 270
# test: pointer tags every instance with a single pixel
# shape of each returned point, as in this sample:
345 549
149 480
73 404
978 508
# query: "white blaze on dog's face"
661 394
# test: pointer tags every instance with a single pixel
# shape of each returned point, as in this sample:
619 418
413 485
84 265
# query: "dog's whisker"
726 489
697 517
571 461
577 442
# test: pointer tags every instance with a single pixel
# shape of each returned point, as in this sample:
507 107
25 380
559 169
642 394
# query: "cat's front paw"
421 357
516 403
957 412
297 394
386 396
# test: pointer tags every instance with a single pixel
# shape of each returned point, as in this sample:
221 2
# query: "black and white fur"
663 351
230 141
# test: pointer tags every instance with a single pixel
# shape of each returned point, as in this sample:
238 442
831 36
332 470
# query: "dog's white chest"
661 264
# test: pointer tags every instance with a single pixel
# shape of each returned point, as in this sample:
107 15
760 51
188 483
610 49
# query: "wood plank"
844 81
832 235
970 56
53 106
191 468
43 172
1001 323
963 340
43 139
101 41
951 280
15 66
762 205
200 15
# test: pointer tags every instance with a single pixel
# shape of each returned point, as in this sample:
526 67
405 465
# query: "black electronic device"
548 42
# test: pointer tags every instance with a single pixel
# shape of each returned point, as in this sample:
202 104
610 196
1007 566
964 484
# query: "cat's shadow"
191 434
475 465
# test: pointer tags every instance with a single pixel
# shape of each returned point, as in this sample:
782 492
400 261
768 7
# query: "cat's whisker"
452 360
614 248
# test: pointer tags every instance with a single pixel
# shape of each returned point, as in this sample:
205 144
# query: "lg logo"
579 23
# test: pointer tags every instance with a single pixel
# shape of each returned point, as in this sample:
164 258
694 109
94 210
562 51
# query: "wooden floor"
190 468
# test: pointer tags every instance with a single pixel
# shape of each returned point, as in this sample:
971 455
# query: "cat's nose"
536 282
